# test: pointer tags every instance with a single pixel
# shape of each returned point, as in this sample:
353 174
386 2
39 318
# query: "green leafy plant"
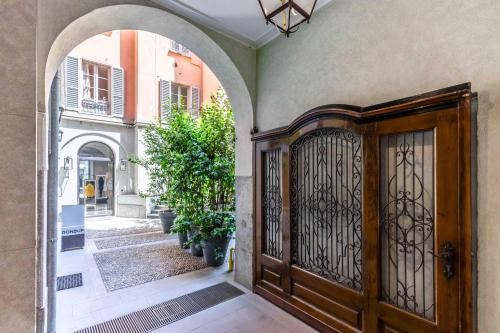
191 162
181 224
219 254
216 224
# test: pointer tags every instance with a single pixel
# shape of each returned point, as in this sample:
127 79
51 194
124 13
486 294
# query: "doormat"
157 316
128 267
69 281
110 243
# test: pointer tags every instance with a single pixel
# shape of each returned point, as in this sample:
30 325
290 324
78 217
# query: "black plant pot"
196 249
167 220
214 250
183 239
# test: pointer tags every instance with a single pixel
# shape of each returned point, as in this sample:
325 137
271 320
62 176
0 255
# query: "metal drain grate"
69 281
162 314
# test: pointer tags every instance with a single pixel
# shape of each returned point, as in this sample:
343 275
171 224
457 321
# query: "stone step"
153 216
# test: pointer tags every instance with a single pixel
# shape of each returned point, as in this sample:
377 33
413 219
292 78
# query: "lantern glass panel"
306 5
270 6
295 18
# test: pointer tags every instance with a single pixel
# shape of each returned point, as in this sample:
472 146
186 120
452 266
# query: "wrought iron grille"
93 107
407 221
272 203
326 205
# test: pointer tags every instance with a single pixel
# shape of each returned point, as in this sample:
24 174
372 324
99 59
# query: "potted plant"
194 242
182 226
191 164
167 217
216 229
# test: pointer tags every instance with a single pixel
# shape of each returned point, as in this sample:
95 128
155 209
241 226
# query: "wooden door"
417 241
363 217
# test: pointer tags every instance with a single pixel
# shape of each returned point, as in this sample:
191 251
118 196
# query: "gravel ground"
109 243
121 227
129 267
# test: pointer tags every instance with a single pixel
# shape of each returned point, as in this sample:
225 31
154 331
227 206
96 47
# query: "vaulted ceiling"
239 19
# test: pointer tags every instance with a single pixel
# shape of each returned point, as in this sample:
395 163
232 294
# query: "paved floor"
88 305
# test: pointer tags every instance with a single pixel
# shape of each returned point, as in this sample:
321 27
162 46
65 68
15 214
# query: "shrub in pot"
167 218
182 227
216 229
195 241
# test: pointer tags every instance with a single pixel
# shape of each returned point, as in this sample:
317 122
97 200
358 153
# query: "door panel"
326 205
362 218
272 203
406 196
418 215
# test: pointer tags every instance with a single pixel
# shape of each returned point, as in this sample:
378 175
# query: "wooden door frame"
460 97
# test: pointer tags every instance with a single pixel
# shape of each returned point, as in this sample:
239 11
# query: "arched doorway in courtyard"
96 166
210 52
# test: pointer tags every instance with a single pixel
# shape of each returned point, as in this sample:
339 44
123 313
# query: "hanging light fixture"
287 15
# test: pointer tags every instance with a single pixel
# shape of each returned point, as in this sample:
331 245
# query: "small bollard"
231 260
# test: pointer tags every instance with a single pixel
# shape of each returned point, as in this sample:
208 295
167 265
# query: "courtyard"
94 302
358 176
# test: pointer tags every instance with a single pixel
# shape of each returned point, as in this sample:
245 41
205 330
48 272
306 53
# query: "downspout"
52 197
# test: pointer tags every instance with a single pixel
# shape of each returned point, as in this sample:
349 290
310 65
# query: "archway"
122 17
96 179
166 24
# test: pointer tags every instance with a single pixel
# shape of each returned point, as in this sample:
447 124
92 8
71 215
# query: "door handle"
447 257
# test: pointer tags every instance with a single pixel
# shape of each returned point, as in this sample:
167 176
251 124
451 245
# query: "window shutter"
117 92
72 90
165 97
195 100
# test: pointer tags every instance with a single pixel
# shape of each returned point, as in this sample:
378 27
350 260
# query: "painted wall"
129 63
150 48
210 84
365 52
103 49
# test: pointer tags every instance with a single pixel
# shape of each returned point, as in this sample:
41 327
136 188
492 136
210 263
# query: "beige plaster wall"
364 52
18 174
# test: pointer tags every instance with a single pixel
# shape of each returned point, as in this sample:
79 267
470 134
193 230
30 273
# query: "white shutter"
117 92
165 98
72 67
195 100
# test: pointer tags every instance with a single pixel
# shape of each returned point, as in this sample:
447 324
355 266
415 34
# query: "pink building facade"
113 85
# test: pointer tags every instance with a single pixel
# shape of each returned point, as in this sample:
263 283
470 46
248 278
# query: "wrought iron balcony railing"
100 108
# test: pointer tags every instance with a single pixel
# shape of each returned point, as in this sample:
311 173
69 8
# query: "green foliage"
181 224
191 165
216 224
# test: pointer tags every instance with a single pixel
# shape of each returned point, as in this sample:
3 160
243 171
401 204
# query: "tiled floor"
84 306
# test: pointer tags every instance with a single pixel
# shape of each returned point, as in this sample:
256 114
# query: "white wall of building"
75 135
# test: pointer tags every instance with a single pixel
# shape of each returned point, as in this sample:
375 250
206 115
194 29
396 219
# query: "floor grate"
69 281
162 314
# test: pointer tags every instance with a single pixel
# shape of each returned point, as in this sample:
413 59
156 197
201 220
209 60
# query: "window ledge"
72 114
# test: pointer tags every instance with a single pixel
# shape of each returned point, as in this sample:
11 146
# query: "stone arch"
138 17
219 53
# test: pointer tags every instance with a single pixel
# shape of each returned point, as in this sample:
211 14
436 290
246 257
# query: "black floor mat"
69 281
162 314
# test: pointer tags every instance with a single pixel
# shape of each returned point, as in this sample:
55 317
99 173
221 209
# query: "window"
179 48
96 86
179 95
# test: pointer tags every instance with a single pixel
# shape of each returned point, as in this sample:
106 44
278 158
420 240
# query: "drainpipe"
52 197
